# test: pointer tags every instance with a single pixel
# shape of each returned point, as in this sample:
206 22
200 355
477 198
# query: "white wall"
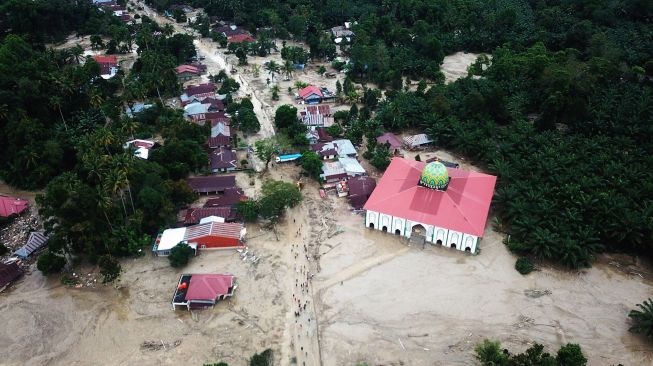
433 233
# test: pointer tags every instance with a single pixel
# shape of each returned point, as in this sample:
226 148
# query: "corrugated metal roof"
35 242
222 229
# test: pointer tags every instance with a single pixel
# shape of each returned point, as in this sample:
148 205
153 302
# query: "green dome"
434 175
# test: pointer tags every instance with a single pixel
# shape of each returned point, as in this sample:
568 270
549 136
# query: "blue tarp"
290 157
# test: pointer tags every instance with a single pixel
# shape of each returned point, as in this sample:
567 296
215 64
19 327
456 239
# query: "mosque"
443 206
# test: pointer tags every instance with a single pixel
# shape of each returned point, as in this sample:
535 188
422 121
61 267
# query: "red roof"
390 139
200 89
238 38
323 135
187 68
208 286
311 89
462 207
223 158
323 109
194 215
113 60
217 141
360 189
12 205
230 197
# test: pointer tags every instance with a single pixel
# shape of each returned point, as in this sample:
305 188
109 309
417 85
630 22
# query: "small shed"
36 241
390 139
416 141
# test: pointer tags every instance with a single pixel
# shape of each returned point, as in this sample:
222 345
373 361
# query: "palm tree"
55 103
273 68
104 203
125 163
288 68
105 137
77 52
643 318
129 125
114 183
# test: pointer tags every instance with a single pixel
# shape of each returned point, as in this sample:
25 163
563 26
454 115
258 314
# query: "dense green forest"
64 128
560 110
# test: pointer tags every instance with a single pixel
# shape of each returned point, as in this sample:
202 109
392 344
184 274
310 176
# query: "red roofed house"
360 190
108 65
229 198
211 233
198 92
311 94
444 206
195 291
223 160
187 72
12 206
390 139
239 38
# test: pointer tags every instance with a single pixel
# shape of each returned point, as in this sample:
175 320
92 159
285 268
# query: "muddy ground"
373 299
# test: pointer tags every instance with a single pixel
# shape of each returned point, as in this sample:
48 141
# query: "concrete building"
440 205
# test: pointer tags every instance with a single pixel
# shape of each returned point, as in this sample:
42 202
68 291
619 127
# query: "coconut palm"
104 203
288 68
273 68
76 53
114 183
643 318
125 163
55 103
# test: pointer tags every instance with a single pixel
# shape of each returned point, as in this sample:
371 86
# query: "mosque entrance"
418 235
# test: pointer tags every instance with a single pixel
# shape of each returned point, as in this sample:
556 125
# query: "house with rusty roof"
108 66
223 160
211 233
187 72
215 184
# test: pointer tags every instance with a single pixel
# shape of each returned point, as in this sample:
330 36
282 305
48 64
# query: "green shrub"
524 266
109 268
262 359
490 353
418 158
180 254
49 262
571 355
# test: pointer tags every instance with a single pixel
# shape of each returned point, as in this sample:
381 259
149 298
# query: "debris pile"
534 294
15 234
159 345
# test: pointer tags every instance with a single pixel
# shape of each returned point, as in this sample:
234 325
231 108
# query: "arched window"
397 232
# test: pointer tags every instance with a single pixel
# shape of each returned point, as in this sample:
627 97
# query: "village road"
217 60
